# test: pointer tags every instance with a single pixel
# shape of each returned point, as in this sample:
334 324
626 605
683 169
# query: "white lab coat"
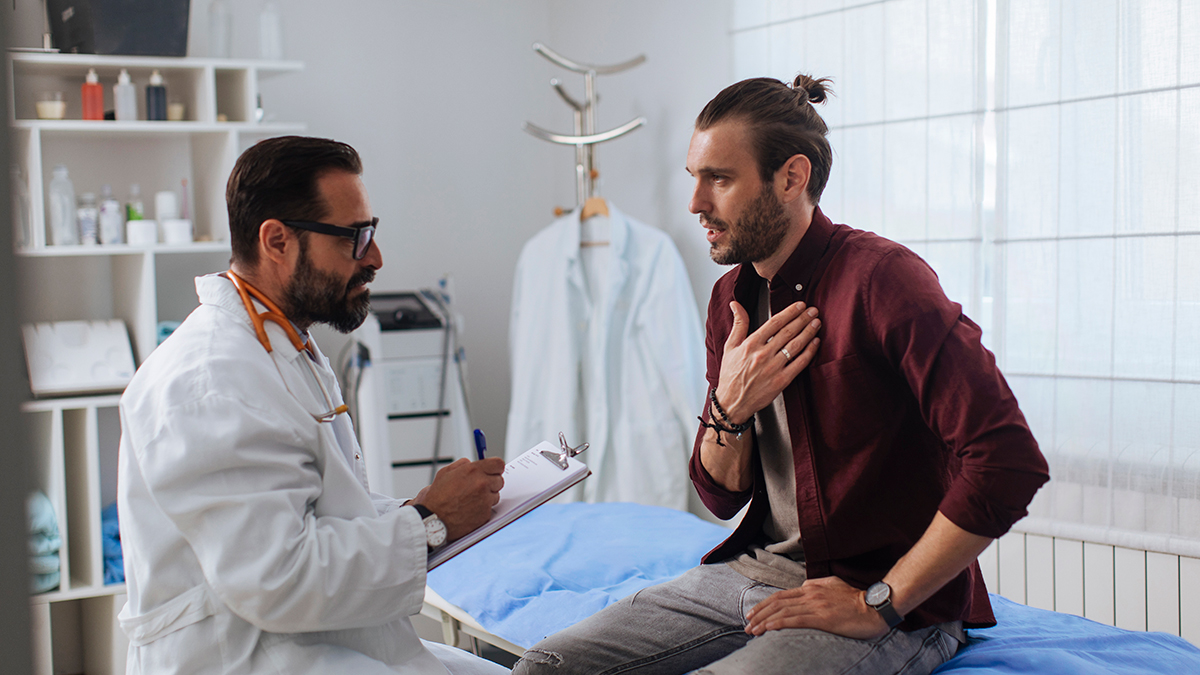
625 374
251 542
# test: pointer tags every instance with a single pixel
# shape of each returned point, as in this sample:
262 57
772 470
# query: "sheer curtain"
1044 157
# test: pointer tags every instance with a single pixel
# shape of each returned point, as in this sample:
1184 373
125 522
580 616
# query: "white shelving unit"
75 629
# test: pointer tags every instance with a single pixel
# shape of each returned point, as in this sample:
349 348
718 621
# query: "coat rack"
585 137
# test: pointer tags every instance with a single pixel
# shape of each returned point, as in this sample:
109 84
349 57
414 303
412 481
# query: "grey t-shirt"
777 557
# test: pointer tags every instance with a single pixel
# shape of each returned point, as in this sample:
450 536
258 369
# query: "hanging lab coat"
622 368
251 542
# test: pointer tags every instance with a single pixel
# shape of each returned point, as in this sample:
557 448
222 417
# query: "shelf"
77 438
122 249
69 64
107 128
71 403
77 594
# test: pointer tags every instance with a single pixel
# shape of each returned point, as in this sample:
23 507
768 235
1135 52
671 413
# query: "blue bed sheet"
563 562
1029 640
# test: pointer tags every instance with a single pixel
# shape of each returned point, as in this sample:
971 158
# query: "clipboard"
535 477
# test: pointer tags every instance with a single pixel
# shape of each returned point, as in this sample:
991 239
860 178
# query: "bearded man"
878 460
251 541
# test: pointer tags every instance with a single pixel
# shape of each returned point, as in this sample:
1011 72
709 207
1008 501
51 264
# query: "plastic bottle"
112 221
22 208
220 29
125 98
63 229
93 96
134 209
156 98
270 32
88 217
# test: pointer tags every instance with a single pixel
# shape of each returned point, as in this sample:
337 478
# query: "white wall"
688 60
433 94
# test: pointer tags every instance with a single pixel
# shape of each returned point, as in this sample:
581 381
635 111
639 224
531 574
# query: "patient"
878 459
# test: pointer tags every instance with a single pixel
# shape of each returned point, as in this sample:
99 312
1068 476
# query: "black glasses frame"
362 233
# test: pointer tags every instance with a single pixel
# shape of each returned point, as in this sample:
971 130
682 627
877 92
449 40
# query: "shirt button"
356 456
799 287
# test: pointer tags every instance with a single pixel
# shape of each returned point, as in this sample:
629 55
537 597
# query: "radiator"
1127 588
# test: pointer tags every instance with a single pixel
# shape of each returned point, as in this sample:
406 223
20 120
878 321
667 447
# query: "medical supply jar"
63 229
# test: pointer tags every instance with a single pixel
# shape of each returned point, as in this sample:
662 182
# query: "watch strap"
889 614
885 608
423 510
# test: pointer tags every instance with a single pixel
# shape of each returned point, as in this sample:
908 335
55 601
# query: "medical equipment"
273 313
77 357
404 380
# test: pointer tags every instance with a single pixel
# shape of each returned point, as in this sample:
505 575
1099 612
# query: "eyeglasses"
361 233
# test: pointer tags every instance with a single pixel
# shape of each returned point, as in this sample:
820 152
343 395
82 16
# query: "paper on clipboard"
530 480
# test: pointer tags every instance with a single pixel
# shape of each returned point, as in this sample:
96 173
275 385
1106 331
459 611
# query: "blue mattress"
563 562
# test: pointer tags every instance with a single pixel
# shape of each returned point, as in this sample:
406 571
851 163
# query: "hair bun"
813 91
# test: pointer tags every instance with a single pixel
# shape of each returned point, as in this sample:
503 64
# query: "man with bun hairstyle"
878 459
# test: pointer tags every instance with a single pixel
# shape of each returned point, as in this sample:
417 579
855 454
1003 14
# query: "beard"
756 235
314 296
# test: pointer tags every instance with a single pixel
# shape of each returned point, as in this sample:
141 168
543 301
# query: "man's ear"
793 177
274 240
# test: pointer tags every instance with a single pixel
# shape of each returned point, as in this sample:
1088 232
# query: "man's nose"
699 202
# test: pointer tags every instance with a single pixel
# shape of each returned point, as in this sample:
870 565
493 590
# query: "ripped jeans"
696 623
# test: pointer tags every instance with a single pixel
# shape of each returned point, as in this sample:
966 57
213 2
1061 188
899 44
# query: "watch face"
878 593
435 532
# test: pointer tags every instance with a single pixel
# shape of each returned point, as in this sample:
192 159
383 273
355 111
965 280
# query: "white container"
177 231
125 98
270 32
142 232
88 217
51 106
22 208
63 229
166 205
112 218
220 29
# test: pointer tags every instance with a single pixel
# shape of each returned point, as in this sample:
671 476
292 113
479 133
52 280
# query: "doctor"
251 541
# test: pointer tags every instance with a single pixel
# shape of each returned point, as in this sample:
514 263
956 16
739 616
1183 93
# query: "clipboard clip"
560 458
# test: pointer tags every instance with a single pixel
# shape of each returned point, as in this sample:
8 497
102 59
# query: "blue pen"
480 444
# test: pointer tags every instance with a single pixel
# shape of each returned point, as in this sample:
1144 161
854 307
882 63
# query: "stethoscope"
273 313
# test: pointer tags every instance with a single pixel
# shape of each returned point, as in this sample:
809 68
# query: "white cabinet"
75 628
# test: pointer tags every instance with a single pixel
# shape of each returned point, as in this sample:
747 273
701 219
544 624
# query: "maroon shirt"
902 414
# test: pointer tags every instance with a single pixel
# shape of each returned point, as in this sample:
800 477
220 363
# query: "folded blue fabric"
44 544
41 515
45 564
40 583
1029 640
561 563
110 535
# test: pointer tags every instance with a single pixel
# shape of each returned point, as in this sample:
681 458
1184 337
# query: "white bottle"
220 29
112 220
89 217
125 98
270 32
63 229
22 208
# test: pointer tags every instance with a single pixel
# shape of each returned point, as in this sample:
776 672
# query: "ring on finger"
786 354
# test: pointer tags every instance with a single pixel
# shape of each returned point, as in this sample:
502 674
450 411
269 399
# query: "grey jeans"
696 623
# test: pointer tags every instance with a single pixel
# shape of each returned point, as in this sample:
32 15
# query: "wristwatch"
435 529
879 598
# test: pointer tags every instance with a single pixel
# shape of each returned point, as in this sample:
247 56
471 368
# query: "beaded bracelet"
733 428
728 427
